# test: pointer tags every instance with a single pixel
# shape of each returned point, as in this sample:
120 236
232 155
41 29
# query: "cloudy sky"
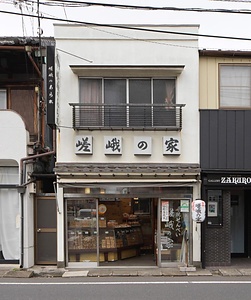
235 24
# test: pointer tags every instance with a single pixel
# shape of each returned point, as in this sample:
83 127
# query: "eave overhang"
128 71
75 172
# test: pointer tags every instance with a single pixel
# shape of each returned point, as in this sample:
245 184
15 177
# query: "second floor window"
130 102
3 99
235 86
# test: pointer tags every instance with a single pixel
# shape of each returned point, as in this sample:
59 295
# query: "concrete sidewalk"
51 271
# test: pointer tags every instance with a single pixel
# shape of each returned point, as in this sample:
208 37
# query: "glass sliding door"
82 232
174 225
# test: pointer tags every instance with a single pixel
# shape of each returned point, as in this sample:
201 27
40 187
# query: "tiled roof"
133 168
23 41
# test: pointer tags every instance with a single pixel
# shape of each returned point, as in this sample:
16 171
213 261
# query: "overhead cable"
132 27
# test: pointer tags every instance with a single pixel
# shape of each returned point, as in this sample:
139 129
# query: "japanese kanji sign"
165 211
113 145
198 210
83 144
142 145
171 145
51 88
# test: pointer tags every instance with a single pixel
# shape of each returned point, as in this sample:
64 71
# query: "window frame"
132 114
5 105
222 65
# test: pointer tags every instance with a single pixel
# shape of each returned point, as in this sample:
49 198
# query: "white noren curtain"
9 215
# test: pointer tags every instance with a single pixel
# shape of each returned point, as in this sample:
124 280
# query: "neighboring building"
225 125
26 162
127 145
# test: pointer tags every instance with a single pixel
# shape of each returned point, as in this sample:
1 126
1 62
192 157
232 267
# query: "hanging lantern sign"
198 210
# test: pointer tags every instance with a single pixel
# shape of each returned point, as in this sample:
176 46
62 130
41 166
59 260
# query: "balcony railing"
127 116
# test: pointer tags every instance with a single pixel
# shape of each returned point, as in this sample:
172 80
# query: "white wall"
13 147
13 136
117 47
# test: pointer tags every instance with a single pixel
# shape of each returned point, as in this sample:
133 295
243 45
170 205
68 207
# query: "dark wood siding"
225 139
23 101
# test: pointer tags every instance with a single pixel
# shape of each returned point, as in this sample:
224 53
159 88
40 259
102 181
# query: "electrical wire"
132 27
70 3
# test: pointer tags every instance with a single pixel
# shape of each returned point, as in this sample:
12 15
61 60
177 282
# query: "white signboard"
83 144
184 205
113 145
172 145
142 145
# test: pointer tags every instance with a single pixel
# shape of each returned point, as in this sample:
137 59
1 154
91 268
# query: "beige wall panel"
209 79
208 83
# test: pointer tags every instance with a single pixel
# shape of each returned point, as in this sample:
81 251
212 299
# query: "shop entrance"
175 229
127 228
45 230
111 231
240 223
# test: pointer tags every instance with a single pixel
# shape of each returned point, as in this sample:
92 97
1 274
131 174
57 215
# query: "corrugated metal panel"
225 142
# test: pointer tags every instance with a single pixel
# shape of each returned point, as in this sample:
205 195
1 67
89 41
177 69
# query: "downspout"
28 50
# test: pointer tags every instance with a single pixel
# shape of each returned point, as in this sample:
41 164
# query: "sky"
211 23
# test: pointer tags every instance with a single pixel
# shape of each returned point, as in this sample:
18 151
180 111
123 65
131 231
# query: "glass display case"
82 241
91 237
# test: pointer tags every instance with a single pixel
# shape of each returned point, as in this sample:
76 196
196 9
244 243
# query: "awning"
128 71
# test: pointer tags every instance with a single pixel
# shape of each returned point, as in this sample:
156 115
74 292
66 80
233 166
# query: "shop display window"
214 208
107 233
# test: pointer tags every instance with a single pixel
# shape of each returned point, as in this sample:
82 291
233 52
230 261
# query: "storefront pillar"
196 231
60 228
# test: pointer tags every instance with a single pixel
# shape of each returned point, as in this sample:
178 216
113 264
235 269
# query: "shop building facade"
127 146
24 151
225 155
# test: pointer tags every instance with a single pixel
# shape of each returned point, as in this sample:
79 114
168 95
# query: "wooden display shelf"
119 251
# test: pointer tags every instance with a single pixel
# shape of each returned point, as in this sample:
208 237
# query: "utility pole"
41 102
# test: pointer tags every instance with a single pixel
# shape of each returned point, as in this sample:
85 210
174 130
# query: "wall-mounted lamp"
87 190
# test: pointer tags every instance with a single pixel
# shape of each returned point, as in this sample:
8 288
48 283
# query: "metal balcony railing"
127 116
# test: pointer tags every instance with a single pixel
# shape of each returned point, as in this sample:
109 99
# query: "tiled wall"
217 240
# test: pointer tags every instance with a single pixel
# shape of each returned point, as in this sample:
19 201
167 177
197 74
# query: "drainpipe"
28 50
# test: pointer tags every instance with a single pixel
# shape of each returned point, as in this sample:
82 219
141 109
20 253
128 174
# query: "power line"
131 27
70 3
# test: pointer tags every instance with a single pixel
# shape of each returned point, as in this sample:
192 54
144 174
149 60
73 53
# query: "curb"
164 272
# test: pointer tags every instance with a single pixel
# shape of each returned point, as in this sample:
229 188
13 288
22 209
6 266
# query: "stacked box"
102 222
119 243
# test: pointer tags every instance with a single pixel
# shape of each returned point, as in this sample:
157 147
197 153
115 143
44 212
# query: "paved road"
210 288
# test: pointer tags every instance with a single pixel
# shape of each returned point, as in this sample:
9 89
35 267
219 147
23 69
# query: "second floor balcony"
89 116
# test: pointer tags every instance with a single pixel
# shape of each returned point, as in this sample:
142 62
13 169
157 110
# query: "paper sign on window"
165 211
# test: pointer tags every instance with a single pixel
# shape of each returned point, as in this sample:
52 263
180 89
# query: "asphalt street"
115 288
